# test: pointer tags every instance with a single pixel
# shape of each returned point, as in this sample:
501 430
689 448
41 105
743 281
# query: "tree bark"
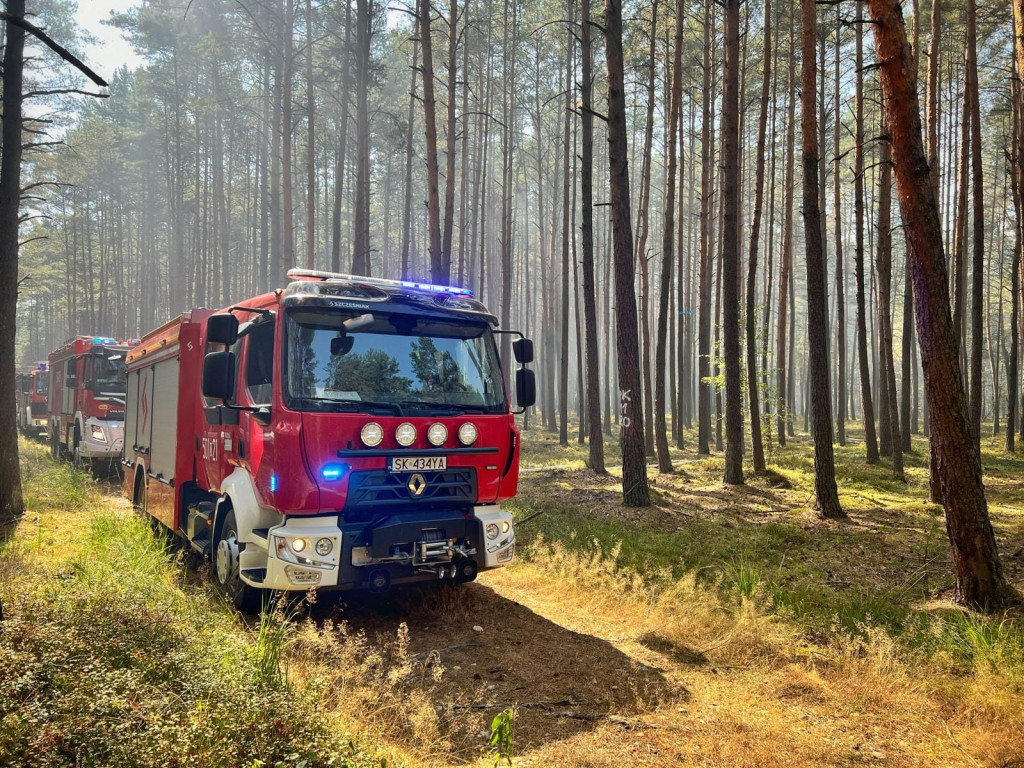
411 118
361 234
979 576
883 268
827 495
430 132
757 443
310 143
704 269
563 326
635 491
587 236
1017 157
12 505
731 247
451 142
782 385
287 206
867 407
978 261
667 245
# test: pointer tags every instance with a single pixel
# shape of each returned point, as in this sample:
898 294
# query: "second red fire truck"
33 396
86 405
340 433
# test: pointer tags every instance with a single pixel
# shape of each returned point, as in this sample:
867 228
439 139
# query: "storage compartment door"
164 407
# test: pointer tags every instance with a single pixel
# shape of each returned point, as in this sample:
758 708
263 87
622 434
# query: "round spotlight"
467 433
437 434
492 530
324 546
372 435
405 434
299 545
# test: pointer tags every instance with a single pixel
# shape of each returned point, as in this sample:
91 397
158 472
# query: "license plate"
418 464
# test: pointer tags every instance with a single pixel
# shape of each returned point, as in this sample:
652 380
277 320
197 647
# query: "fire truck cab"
341 433
33 396
86 405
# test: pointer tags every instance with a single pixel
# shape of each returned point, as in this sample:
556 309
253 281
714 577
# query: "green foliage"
109 657
500 740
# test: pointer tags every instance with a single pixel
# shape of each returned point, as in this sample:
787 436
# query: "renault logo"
417 484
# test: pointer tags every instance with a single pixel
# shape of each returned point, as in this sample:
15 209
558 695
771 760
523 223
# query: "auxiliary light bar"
379 282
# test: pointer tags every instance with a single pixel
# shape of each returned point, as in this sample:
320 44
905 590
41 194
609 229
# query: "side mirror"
26 386
523 350
222 328
219 375
526 388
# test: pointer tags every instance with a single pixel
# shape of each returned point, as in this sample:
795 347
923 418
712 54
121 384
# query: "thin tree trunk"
1017 156
587 227
667 245
361 234
755 231
840 279
430 131
451 142
978 188
411 117
782 385
635 491
867 407
883 267
287 209
567 151
704 271
827 495
731 247
310 143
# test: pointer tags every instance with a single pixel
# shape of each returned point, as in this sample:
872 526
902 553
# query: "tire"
226 570
80 461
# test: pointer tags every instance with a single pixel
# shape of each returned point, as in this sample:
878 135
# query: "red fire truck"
33 390
86 410
341 433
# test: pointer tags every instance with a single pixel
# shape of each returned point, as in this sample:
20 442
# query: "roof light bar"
416 286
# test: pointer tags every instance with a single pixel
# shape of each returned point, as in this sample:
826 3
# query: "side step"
200 527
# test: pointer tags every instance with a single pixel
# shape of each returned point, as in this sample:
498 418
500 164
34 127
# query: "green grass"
110 657
884 568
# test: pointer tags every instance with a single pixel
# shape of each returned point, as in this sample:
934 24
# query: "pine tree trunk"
883 268
979 576
827 495
840 279
978 262
757 443
667 245
411 118
451 142
430 131
704 269
867 407
12 505
287 210
782 385
1017 164
563 326
361 235
310 144
635 491
731 246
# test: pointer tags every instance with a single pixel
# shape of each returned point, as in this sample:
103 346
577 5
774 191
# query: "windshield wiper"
454 407
354 406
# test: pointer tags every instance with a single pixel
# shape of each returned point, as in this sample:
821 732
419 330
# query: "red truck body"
325 465
86 398
33 400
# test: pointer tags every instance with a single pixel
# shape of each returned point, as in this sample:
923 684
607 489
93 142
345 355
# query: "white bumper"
292 570
499 550
101 439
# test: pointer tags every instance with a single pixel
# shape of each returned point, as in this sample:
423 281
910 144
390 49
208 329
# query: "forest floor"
719 627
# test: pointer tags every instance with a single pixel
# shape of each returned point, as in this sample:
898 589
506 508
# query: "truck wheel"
226 569
80 461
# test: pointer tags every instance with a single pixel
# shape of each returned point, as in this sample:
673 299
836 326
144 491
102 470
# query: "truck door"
255 437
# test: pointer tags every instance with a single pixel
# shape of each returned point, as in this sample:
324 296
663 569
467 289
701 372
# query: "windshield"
108 372
339 360
42 383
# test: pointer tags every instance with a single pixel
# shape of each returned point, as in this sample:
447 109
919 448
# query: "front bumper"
397 550
102 439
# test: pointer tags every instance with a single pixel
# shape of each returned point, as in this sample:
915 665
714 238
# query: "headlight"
492 530
299 545
405 434
437 434
506 526
97 434
467 433
324 546
371 435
